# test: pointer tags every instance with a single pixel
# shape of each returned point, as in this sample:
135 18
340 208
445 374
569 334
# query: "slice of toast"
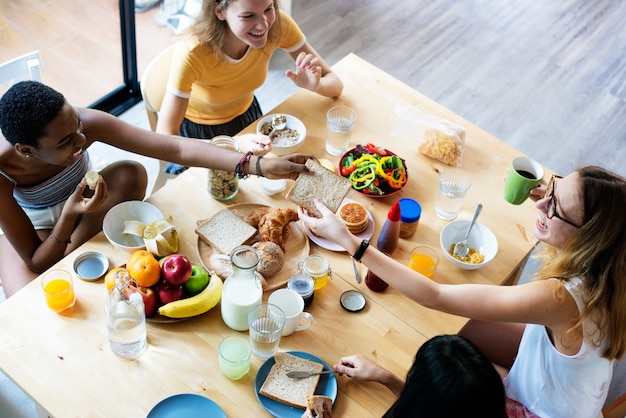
321 184
293 392
224 231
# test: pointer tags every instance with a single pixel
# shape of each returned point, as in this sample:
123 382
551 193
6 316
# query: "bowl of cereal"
482 243
286 132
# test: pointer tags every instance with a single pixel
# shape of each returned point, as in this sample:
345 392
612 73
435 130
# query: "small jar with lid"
410 212
303 285
223 185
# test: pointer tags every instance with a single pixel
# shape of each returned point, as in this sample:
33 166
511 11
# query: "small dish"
186 405
283 146
480 238
327 386
91 266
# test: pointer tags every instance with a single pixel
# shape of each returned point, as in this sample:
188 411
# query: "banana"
195 305
160 237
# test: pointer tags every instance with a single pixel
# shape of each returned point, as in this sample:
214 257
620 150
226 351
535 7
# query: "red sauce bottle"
387 243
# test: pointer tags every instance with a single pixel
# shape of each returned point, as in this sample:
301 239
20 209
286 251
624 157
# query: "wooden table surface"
64 362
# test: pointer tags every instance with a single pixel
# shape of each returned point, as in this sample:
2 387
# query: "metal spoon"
461 248
279 122
304 374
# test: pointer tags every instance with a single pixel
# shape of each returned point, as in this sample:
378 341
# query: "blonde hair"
210 31
597 254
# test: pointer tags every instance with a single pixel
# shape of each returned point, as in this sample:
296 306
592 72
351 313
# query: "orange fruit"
109 279
144 268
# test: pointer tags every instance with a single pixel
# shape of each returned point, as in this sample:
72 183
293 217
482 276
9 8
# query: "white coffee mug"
292 305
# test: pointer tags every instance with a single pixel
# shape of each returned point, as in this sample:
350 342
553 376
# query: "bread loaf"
321 184
224 231
293 392
319 406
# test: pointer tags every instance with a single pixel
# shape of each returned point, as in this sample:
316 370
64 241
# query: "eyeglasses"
552 213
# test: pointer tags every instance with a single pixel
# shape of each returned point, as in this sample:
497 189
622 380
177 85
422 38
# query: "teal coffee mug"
524 175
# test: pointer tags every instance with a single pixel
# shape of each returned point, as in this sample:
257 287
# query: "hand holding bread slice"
321 184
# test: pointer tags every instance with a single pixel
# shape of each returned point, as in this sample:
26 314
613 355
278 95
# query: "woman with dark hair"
566 328
216 70
47 209
450 377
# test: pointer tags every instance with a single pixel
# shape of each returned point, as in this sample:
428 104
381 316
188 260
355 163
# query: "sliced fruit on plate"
160 237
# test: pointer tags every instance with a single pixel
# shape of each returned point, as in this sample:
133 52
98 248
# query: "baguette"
224 231
321 184
292 392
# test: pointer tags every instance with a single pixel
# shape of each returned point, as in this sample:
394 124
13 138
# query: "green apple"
198 281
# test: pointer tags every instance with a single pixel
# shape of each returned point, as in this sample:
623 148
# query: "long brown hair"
210 31
597 254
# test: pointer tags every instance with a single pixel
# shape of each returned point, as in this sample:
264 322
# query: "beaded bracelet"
58 241
241 169
259 173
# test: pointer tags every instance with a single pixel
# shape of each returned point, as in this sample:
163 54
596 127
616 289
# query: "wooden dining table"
63 361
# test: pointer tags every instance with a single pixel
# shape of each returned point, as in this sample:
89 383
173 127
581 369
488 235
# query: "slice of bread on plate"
224 231
321 184
293 392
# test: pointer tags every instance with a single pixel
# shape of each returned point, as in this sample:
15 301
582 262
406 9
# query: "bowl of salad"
374 171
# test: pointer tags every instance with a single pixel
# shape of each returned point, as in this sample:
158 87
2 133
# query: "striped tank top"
54 190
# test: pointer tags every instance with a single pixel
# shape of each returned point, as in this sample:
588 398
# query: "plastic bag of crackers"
438 138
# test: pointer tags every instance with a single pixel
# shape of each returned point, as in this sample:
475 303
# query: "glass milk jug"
242 290
126 317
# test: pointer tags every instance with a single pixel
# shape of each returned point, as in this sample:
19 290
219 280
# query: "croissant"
274 225
255 216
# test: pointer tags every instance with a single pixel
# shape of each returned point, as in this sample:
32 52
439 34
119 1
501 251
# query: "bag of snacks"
438 138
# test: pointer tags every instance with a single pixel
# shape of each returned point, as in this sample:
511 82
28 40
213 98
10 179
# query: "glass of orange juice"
59 289
424 260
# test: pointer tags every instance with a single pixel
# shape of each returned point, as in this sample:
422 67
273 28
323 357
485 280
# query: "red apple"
168 293
150 301
176 269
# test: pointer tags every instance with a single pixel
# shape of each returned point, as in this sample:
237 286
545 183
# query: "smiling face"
568 204
64 140
249 23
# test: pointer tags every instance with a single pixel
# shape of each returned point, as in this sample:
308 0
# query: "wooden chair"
153 84
25 67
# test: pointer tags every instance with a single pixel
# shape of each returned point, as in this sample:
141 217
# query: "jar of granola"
223 185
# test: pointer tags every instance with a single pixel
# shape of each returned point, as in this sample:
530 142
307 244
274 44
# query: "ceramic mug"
292 305
524 175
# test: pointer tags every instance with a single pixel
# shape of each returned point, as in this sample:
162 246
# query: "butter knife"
305 374
356 271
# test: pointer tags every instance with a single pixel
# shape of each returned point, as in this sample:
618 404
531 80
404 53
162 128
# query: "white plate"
188 405
332 246
327 386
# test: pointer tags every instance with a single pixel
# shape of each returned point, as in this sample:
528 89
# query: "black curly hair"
26 109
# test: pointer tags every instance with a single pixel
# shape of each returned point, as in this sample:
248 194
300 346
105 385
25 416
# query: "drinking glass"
234 356
266 322
453 185
424 260
58 288
339 123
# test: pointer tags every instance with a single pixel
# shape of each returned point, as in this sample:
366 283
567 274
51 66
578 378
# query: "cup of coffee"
524 175
292 305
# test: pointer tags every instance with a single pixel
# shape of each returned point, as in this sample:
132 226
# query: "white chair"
26 67
153 84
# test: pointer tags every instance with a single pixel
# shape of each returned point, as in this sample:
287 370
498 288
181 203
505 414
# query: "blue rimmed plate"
188 405
327 386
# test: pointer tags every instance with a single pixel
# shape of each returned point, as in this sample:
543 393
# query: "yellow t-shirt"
220 89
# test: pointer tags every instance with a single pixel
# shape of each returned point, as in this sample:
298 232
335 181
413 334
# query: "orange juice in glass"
58 289
424 260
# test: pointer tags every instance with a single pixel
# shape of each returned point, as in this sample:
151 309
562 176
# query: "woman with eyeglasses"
553 339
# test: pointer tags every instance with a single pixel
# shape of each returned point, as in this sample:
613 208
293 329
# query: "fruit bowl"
480 238
382 188
133 210
287 144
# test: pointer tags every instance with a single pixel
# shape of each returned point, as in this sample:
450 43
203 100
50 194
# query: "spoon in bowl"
461 248
279 122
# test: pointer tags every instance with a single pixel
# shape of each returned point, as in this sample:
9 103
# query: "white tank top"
551 384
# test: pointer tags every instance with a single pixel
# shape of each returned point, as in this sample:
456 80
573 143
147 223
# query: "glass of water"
266 322
339 123
453 185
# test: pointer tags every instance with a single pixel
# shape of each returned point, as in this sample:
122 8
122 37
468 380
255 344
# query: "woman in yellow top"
213 74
